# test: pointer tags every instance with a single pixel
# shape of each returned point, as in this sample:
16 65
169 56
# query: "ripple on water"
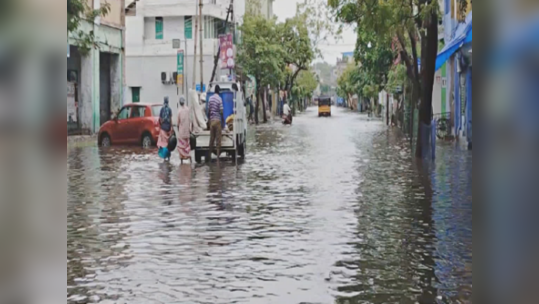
326 211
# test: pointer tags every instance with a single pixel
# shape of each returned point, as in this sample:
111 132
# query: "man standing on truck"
215 107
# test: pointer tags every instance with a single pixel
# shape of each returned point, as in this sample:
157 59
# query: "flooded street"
330 210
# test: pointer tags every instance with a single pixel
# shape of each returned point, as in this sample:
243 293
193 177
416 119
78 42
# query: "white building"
151 27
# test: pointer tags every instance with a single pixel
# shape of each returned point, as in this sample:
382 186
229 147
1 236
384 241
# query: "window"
137 112
188 29
135 94
124 113
156 111
210 27
159 28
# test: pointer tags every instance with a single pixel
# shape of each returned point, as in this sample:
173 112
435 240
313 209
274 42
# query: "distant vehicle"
324 106
134 124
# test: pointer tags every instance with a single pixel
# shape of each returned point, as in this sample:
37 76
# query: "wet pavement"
330 210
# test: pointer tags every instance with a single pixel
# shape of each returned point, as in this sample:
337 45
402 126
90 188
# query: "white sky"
284 9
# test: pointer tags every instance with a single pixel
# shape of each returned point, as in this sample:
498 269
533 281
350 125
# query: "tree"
376 58
325 71
78 11
305 86
261 54
408 23
297 46
301 36
350 82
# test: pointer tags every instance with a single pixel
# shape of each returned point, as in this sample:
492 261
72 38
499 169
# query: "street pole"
185 86
216 58
195 52
201 48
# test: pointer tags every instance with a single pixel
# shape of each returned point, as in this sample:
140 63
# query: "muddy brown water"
330 210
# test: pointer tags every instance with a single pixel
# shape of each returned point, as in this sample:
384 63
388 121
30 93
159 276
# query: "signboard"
71 104
226 48
180 61
158 28
198 88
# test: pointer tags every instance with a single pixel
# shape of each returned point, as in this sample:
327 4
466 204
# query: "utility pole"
185 85
216 58
233 27
201 48
195 51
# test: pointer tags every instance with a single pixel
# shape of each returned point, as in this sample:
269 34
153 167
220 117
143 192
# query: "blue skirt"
164 153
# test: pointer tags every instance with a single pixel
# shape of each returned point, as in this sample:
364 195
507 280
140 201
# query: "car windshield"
156 110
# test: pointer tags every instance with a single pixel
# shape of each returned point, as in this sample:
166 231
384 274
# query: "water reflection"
329 210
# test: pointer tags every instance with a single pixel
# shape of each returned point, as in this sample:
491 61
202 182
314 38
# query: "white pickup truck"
233 142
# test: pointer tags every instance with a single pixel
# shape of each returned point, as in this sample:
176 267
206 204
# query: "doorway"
104 87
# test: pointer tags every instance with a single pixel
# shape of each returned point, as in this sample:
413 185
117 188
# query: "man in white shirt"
287 113
286 109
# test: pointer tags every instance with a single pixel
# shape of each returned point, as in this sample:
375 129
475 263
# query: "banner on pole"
226 47
179 80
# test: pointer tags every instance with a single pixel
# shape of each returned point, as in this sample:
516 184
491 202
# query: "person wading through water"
165 122
184 131
215 107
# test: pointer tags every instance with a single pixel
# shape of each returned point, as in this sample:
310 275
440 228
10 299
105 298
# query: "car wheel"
105 141
146 141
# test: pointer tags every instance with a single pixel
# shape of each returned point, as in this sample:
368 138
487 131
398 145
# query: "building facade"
96 79
152 26
454 68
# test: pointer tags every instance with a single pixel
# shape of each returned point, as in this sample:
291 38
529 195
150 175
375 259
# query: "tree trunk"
387 109
265 117
429 51
257 106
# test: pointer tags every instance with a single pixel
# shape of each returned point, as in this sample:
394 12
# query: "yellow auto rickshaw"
324 106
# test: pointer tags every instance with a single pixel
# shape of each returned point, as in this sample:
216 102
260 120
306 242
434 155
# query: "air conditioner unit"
163 77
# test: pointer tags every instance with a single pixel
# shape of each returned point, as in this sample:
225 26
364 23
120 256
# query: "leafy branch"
77 12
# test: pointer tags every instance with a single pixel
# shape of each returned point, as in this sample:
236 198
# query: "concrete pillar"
96 102
116 85
86 92
89 91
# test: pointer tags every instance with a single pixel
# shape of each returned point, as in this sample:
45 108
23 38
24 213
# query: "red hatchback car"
135 124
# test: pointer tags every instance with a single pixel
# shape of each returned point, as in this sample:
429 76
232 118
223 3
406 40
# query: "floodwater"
330 210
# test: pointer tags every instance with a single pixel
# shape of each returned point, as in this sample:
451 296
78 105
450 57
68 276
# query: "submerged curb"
81 140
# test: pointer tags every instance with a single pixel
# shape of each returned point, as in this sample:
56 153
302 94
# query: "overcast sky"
287 8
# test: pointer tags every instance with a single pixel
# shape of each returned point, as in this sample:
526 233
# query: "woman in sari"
184 131
165 122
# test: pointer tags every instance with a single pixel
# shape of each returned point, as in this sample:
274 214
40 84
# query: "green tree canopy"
261 54
408 23
306 84
298 51
78 11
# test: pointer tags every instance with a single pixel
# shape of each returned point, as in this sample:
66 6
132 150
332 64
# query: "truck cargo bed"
203 140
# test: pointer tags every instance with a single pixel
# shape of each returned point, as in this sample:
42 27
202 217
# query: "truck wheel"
198 157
